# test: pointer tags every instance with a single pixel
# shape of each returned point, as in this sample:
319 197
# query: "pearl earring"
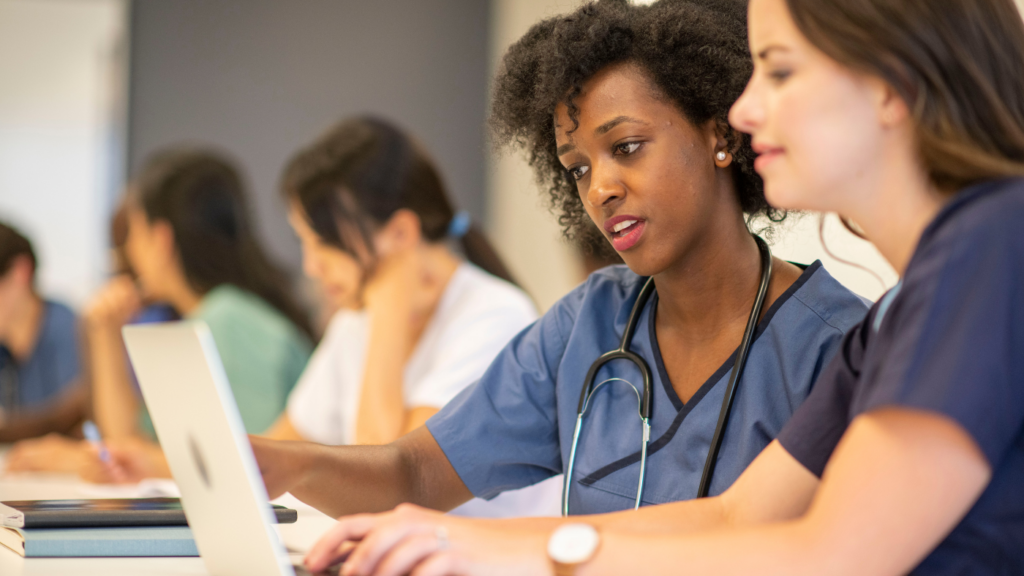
720 156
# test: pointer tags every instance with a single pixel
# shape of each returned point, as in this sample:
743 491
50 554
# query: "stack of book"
102 527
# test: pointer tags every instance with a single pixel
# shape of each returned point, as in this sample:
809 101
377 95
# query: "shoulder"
472 292
230 303
820 296
59 314
609 289
977 221
60 324
228 308
345 326
975 235
58 339
58 336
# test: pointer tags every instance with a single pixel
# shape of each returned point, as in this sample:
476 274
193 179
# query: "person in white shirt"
416 324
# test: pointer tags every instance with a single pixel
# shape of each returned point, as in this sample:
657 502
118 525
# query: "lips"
625 231
765 155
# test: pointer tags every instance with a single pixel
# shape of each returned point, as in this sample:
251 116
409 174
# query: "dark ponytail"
480 252
360 173
201 195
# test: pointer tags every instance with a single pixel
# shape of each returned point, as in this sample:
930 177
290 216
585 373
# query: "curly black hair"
695 52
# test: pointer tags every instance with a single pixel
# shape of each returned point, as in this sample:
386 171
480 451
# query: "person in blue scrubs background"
40 388
639 138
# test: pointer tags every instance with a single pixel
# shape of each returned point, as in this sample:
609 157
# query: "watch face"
573 543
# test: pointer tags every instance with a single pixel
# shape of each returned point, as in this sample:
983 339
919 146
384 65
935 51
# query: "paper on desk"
149 488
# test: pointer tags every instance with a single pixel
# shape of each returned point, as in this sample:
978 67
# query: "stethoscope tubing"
623 353
737 369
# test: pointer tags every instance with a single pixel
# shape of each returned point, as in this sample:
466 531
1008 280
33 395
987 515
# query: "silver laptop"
196 418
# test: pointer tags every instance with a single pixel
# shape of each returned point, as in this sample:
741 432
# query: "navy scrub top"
950 340
514 427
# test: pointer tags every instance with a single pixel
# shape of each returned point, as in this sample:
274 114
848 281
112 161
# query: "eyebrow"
600 130
765 51
607 126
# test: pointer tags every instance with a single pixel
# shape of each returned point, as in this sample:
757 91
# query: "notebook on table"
132 541
112 512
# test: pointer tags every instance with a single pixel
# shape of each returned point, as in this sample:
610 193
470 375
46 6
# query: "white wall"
61 118
524 232
527 235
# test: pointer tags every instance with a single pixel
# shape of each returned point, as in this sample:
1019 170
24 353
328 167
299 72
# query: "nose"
606 187
747 113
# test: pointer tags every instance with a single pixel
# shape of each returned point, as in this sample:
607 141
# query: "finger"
327 549
380 542
407 554
446 563
121 464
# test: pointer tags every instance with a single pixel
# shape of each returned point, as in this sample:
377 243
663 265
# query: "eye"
627 148
779 75
578 172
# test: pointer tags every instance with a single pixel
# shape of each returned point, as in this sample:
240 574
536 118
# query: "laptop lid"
201 432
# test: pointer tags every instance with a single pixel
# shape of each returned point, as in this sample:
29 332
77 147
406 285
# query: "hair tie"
459 225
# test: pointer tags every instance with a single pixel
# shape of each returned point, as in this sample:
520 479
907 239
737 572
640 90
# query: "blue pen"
92 434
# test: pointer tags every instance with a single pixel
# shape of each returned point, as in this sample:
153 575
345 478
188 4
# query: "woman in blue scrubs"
908 456
622 110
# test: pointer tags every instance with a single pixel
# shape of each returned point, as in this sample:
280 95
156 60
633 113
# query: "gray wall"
260 78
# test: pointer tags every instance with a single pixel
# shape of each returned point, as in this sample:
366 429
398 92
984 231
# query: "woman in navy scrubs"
907 117
643 150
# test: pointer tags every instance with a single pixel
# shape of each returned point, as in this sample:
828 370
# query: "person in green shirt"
190 244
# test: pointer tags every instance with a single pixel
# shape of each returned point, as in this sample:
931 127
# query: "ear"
22 270
163 239
403 231
892 109
718 136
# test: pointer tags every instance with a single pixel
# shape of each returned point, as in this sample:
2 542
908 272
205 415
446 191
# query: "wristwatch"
572 545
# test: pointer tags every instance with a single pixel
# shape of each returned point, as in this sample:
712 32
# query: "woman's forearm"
675 517
341 480
115 404
60 415
896 485
382 414
784 549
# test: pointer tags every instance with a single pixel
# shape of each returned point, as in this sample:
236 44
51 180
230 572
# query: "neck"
179 294
23 330
714 284
437 266
895 216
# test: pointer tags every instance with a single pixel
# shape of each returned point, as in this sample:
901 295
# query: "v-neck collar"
682 409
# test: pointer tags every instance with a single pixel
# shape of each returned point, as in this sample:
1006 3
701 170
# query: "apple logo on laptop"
200 463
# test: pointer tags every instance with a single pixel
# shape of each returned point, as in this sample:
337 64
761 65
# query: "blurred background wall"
259 78
90 87
62 120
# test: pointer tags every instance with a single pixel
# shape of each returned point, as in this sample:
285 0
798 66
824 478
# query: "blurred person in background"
190 244
41 389
416 322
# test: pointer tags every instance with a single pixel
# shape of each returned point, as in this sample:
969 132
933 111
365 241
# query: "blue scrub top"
53 364
514 427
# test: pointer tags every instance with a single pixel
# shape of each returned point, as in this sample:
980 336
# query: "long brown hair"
200 193
958 64
362 171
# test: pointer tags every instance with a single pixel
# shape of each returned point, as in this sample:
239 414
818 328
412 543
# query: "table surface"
299 536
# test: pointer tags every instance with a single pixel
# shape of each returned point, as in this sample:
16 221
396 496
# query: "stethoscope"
644 400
